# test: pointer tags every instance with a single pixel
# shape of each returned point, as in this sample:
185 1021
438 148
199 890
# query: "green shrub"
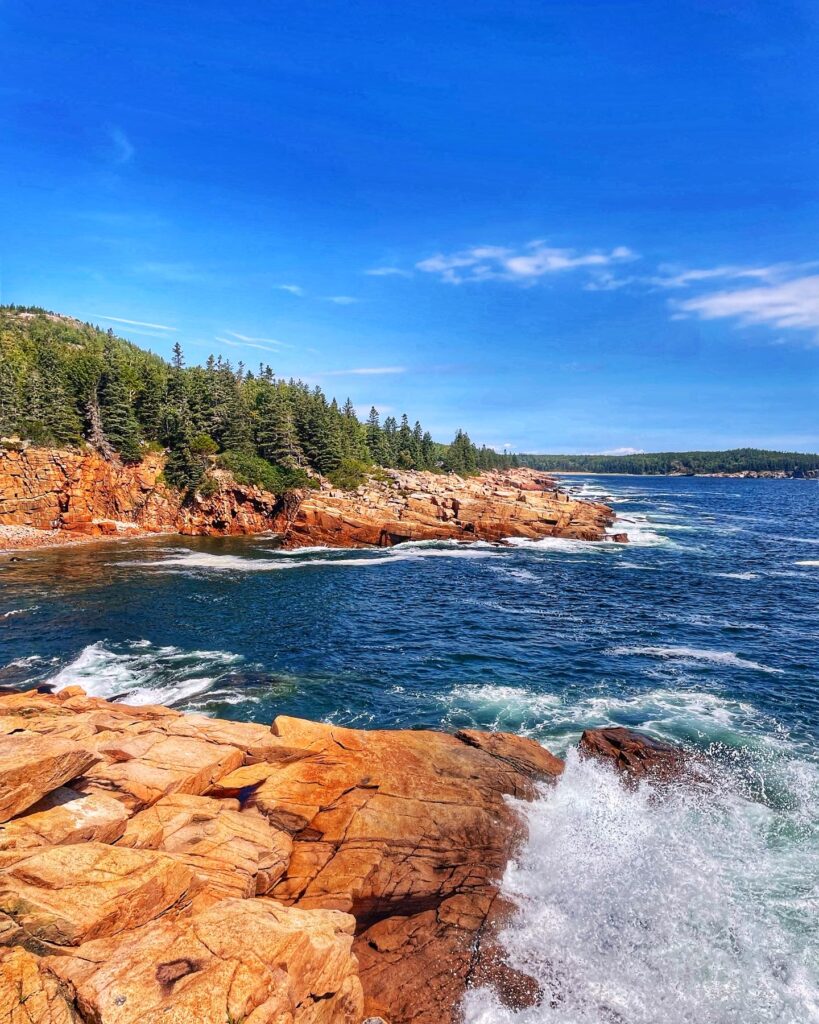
208 486
203 444
256 472
351 473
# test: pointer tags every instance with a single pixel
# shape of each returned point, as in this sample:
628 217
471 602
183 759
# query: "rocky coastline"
50 496
160 866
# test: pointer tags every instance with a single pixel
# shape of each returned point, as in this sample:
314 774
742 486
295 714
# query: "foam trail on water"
188 559
697 654
635 908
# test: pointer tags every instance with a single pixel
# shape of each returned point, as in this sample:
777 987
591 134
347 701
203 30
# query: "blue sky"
582 226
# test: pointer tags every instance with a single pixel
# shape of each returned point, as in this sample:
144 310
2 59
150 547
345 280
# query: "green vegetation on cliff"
737 460
65 383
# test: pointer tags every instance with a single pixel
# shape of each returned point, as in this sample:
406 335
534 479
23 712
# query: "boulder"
253 961
30 994
65 895
31 766
635 755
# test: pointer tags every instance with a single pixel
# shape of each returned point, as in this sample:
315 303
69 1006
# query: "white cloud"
364 371
783 304
341 300
536 259
135 323
121 146
623 451
387 272
294 289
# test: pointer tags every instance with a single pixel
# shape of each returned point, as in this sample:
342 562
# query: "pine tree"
276 438
119 423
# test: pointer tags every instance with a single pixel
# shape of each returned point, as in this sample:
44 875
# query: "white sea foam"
737 575
807 561
17 611
636 910
187 559
143 674
557 721
695 654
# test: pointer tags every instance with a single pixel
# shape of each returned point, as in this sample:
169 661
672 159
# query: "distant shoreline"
681 476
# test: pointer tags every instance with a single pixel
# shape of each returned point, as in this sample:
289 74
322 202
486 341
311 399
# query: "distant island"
752 462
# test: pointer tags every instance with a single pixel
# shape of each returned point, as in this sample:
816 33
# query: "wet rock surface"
636 755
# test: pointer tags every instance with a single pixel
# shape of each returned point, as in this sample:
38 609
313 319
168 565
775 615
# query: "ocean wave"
696 654
638 909
17 611
737 575
807 561
558 719
144 674
188 559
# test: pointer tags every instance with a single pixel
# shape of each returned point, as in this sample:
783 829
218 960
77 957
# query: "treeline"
737 460
66 383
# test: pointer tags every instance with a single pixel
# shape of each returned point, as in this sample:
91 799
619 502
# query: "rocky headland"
56 496
159 866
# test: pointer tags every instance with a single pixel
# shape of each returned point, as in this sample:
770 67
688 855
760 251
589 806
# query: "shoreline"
29 538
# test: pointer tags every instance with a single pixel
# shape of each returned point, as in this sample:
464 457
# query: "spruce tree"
119 422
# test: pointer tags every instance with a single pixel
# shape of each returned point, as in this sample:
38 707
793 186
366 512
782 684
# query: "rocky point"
78 493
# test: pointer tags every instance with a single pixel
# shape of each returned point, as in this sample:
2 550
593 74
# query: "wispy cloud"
536 259
341 300
134 323
237 340
294 289
364 371
122 149
675 277
387 272
786 304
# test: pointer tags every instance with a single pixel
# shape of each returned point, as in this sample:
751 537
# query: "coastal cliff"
74 493
157 866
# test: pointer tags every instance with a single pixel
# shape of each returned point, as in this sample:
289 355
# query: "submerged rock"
181 868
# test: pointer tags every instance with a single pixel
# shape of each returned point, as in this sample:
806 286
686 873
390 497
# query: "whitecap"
737 575
143 674
17 611
696 654
807 561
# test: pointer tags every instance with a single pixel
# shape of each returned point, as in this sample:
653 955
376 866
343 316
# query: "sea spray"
694 906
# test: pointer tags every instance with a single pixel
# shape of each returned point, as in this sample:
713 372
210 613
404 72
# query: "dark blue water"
717 596
704 628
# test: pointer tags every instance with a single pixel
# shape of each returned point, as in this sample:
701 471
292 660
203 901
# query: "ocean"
633 908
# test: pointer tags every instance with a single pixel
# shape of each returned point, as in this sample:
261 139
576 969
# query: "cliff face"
156 866
84 494
81 492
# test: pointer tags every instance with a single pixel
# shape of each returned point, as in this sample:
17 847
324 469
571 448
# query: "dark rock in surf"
636 755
